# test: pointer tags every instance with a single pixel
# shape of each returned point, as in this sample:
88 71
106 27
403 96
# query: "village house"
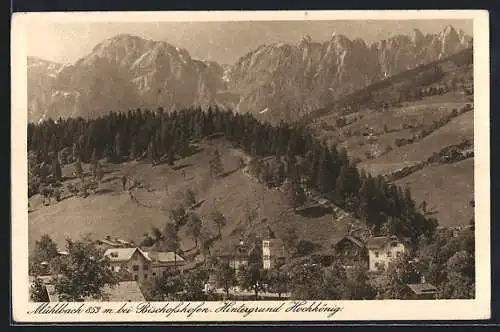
239 255
163 261
351 251
382 250
273 252
133 260
143 265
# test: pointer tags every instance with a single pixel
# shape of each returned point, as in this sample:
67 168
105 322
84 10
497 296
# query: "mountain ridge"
127 72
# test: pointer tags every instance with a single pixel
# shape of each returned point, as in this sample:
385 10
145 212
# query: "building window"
145 276
136 277
398 254
135 267
146 267
267 257
376 253
265 243
154 274
389 254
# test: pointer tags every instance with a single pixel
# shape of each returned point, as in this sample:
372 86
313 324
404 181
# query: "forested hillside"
298 158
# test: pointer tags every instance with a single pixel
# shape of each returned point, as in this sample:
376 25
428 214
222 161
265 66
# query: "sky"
223 42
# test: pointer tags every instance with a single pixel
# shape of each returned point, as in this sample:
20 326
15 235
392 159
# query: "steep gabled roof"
352 239
123 254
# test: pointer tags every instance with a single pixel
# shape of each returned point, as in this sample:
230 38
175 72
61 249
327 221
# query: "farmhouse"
382 250
239 255
143 265
162 261
133 260
351 251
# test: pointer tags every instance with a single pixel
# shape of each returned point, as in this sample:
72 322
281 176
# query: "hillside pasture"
447 189
112 211
454 132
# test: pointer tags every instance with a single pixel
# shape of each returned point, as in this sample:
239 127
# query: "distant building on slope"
382 250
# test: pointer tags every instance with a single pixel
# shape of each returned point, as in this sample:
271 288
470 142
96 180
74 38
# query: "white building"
143 265
273 252
134 260
382 250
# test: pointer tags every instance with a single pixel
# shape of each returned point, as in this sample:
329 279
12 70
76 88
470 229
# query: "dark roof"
352 239
379 241
424 288
238 250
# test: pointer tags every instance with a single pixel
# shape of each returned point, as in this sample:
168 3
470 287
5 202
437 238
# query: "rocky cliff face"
295 79
280 80
121 73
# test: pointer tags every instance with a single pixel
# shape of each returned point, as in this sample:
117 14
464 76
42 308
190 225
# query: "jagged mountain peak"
126 41
290 79
339 39
417 37
449 29
450 41
449 33
306 39
126 48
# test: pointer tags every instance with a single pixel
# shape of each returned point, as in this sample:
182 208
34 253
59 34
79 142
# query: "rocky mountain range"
280 81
